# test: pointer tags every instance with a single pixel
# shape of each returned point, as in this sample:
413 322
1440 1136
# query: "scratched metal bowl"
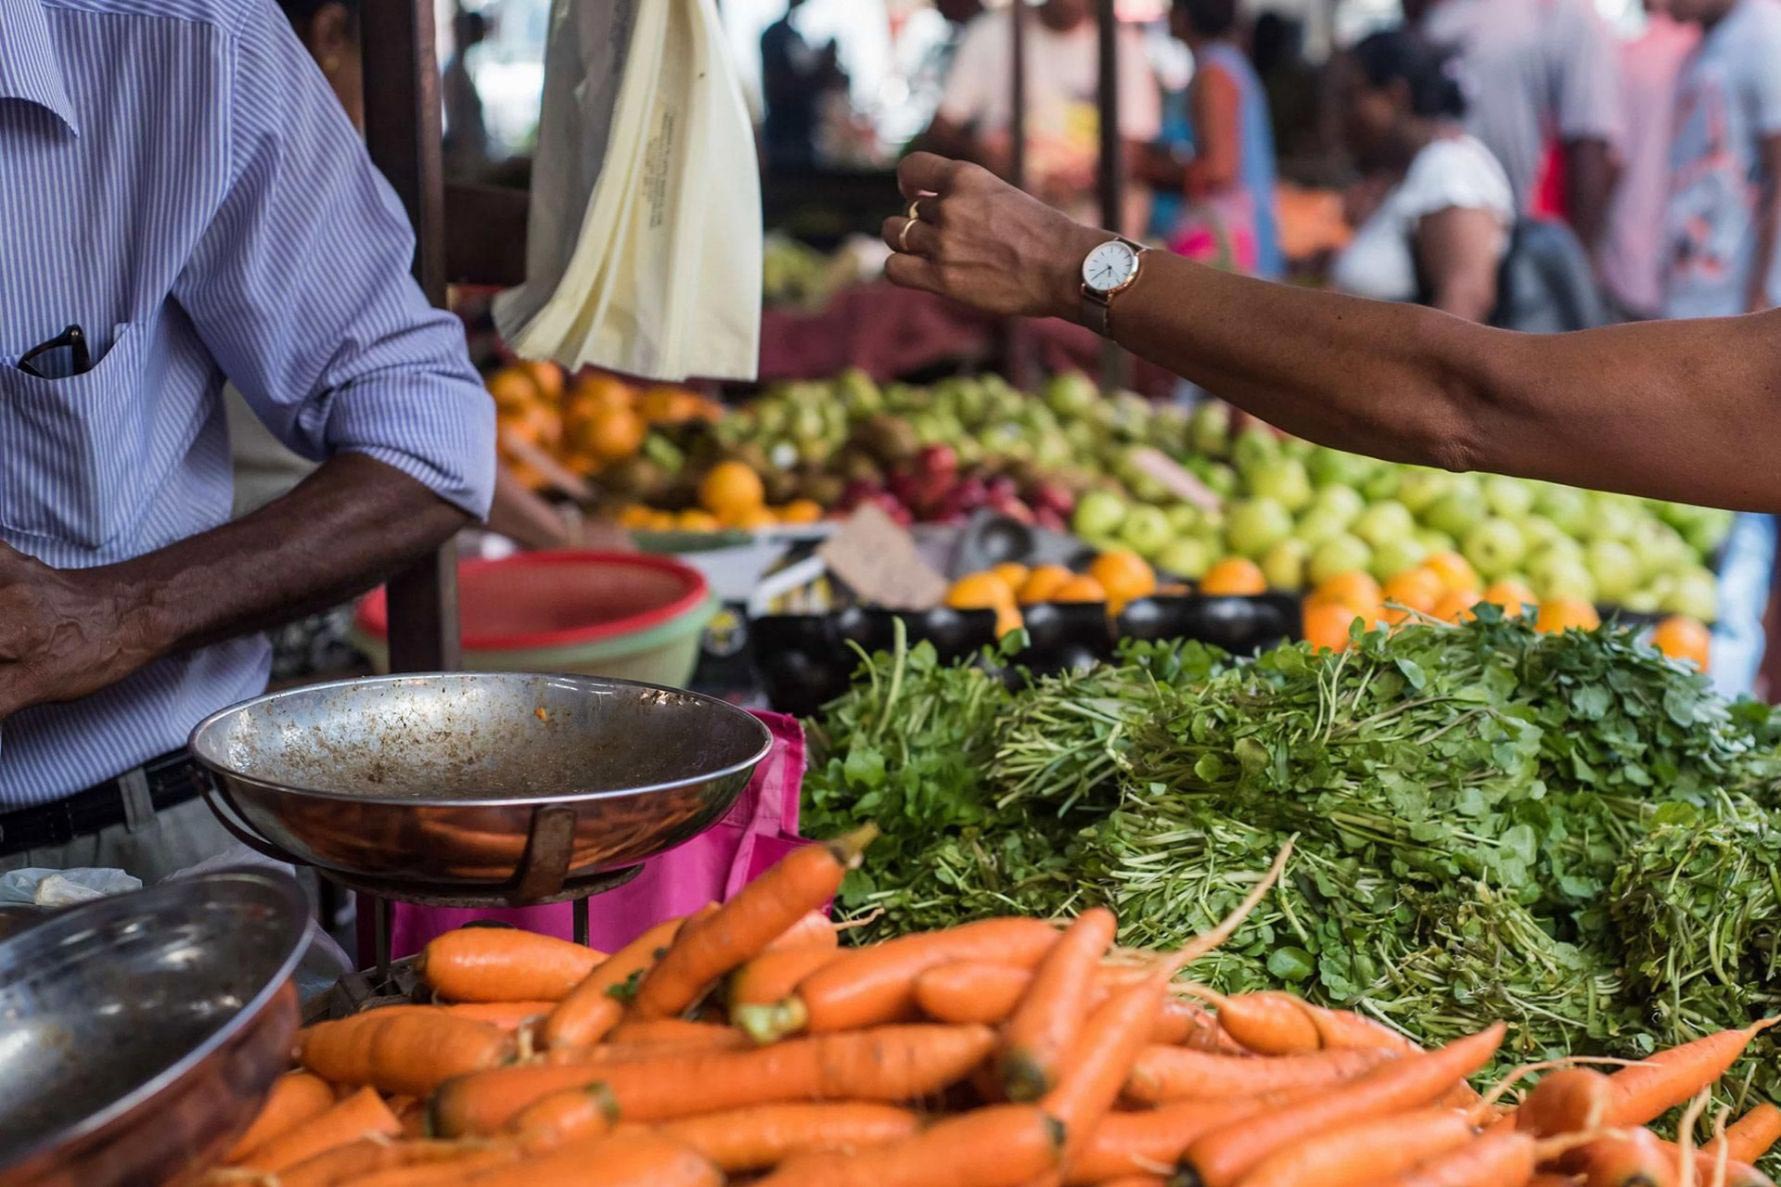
441 780
140 1034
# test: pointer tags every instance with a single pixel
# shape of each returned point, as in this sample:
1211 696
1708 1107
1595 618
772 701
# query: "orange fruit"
1079 588
634 516
801 511
513 388
1042 583
1354 588
661 521
1234 576
1327 623
548 377
1415 589
979 591
1454 570
1513 596
695 520
1684 639
731 489
1013 574
1008 620
1124 575
1457 606
536 424
597 390
1558 615
750 519
610 434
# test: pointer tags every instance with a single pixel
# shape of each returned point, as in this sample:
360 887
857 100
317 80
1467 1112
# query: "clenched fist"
63 634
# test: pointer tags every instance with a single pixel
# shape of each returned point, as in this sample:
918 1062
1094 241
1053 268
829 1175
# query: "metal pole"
1115 365
403 130
1014 338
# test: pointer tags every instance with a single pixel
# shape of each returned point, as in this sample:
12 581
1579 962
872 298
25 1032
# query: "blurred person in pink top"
1632 256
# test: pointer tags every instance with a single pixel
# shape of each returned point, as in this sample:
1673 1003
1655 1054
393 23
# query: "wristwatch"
1109 269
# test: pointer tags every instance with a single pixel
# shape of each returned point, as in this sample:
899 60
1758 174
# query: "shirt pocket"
70 446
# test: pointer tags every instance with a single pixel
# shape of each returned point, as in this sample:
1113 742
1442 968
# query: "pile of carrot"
744 1044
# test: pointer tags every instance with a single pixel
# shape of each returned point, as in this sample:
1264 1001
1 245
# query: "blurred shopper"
1538 73
1725 208
1440 229
1293 88
1062 123
1228 179
1632 255
468 154
796 78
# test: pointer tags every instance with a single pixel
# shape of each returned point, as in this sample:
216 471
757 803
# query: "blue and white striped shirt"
176 178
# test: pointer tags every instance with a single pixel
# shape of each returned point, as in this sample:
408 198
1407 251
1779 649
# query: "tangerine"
750 519
535 424
1124 575
695 520
731 489
610 434
1454 570
1234 576
634 516
547 376
512 389
1457 606
1685 639
801 511
1008 620
1042 583
1558 615
597 390
1514 597
1079 588
1354 588
1327 624
1415 589
1013 574
979 591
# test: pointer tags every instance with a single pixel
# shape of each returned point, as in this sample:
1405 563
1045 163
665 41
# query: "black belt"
132 798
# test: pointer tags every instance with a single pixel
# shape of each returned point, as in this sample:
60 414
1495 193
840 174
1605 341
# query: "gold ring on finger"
903 235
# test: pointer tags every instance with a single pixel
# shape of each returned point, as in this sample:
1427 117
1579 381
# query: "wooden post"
1116 366
404 132
1016 346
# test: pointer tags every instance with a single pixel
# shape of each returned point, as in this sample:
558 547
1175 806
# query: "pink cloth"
759 829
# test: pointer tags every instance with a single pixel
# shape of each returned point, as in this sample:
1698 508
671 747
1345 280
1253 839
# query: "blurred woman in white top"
1434 214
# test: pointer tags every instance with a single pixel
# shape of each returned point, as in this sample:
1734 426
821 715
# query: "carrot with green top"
1181 1073
763 1136
590 1010
296 1097
1222 1157
1045 1022
1658 1083
503 964
770 977
736 932
1001 1146
402 1052
361 1115
889 1064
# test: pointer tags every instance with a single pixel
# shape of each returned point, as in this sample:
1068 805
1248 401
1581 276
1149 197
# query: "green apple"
1220 479
1187 558
1381 484
1565 506
1556 575
1420 488
1320 523
1660 549
1696 594
1510 498
1256 525
1343 502
1707 530
1253 448
1394 556
1284 564
1185 519
1334 468
1540 532
1071 394
1643 601
1146 530
1385 522
1344 554
1611 517
1455 514
1433 541
1285 481
1615 567
1494 547
1098 513
1210 428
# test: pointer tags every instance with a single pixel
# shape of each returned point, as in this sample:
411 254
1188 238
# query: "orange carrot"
595 1006
1221 1157
1660 1082
359 1115
1183 1024
762 1137
1706 1168
1180 1073
1629 1158
401 1051
501 964
628 1158
1273 1023
1001 1146
771 976
985 992
1151 1140
1136 1181
1752 1135
366 1156
1501 1159
506 1015
870 986
566 1116
815 928
803 881
1570 1100
679 1033
449 1173
1357 1155
889 1064
1040 1032
1102 1058
296 1097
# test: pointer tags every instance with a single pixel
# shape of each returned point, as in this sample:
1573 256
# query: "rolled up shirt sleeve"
301 288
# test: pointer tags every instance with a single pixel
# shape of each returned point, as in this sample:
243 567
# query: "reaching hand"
63 634
979 240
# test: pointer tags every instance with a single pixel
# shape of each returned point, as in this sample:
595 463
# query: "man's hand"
981 241
63 634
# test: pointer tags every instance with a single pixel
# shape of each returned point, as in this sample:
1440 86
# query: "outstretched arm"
1679 410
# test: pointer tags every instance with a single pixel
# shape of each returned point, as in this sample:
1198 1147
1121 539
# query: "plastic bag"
63 888
645 241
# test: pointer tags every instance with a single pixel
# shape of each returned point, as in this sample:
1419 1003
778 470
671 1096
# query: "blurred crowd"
1516 162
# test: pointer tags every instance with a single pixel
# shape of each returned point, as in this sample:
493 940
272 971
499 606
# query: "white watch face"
1109 266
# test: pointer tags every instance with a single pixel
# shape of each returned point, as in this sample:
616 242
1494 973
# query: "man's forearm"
349 525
